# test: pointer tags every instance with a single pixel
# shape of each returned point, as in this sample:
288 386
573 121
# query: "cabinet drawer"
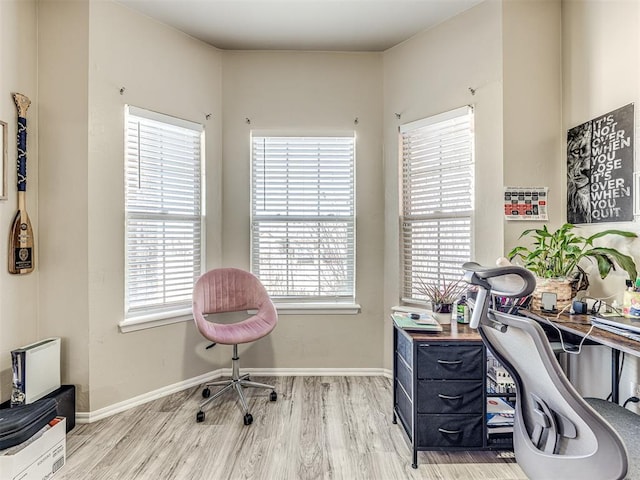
405 408
404 347
450 396
457 362
404 376
449 431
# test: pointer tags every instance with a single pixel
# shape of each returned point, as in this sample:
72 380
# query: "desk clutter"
35 421
501 396
623 326
19 424
39 457
416 322
33 436
500 415
631 303
498 379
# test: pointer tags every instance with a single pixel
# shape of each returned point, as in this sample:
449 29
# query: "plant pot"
442 307
442 312
560 286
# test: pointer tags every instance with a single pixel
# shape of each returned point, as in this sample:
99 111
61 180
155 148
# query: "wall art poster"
600 169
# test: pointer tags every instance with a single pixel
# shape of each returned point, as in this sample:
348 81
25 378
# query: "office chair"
557 434
232 290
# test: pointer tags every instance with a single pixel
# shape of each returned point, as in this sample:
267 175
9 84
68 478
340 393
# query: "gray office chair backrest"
556 434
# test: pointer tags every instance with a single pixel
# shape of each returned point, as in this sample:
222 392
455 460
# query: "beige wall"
162 70
63 58
601 72
18 73
90 50
532 95
432 73
309 92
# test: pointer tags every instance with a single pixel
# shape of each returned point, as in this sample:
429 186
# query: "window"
163 210
437 199
303 217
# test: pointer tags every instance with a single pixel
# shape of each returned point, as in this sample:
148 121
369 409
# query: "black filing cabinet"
439 392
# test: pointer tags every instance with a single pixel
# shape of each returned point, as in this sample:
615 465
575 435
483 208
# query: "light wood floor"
319 428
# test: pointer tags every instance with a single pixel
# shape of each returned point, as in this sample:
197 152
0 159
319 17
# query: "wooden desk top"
454 332
581 324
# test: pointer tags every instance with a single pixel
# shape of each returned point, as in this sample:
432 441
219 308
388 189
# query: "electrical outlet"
635 389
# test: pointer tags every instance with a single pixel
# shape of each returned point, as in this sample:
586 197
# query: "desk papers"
426 323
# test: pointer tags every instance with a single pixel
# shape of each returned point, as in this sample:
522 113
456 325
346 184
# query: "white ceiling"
327 25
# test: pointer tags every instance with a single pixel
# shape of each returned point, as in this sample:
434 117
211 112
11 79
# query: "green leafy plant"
441 293
557 254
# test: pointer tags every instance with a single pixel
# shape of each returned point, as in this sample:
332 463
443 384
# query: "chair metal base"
235 382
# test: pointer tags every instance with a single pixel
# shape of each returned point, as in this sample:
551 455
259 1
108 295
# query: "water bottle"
462 310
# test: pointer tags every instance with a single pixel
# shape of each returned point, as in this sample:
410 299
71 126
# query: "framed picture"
600 168
3 161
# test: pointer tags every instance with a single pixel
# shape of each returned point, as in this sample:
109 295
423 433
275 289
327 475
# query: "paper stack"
500 415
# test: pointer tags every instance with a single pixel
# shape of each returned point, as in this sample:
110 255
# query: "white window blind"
437 199
303 217
163 175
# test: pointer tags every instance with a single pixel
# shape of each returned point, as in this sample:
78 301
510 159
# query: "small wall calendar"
526 203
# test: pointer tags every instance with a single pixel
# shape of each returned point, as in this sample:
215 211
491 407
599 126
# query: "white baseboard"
89 417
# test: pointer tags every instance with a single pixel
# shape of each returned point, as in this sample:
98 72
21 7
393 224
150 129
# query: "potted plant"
555 257
442 295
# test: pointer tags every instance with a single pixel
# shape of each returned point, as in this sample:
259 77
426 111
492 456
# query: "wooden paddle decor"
21 236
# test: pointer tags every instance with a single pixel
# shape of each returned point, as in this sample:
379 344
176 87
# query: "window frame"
409 273
164 313
305 304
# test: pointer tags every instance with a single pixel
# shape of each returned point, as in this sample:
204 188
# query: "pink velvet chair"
233 290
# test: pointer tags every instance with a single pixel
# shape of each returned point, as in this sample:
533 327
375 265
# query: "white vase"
442 313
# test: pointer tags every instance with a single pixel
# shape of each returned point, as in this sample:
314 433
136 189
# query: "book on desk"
425 323
620 325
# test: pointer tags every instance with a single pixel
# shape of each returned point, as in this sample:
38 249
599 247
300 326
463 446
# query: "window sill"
143 322
316 308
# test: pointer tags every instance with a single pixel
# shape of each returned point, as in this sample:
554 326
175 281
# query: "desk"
579 325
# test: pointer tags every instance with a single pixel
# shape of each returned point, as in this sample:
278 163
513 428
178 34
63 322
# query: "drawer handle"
450 362
449 397
449 432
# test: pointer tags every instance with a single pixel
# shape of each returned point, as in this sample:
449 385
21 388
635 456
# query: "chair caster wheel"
274 396
200 416
206 393
248 419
